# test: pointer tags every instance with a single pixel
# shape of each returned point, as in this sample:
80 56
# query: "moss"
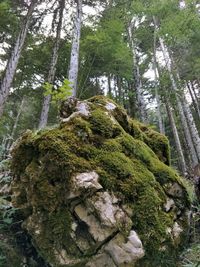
23 151
153 233
157 142
111 145
134 129
101 123
131 160
107 180
122 118
53 234
100 100
136 148
82 128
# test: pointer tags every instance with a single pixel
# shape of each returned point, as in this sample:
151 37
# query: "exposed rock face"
98 190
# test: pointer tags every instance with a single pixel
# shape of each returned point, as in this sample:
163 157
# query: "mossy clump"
132 162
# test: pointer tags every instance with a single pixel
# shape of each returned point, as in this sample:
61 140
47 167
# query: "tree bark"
52 70
14 59
158 109
195 94
119 87
194 101
131 98
11 138
137 78
192 126
74 59
109 85
181 158
193 141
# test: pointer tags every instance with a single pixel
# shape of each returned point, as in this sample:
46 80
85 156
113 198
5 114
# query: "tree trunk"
194 101
74 60
119 87
14 59
11 138
181 158
136 75
158 109
131 98
109 86
52 70
193 141
195 94
192 126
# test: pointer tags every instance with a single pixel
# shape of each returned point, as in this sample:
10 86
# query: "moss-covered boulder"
98 190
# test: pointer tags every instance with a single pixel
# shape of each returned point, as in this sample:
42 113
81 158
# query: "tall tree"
11 138
156 75
136 74
189 127
179 149
14 59
192 143
52 69
74 59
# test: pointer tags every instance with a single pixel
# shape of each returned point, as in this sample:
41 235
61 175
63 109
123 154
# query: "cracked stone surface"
125 253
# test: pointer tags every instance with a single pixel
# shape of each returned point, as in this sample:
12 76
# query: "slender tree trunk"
74 60
119 87
14 59
195 103
198 84
179 149
181 158
109 85
192 126
193 141
11 138
195 94
131 98
137 78
52 70
158 109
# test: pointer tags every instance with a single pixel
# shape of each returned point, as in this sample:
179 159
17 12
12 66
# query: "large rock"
98 190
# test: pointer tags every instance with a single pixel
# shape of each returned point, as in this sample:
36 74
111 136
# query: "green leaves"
59 94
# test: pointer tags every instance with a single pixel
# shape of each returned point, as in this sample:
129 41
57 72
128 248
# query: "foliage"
64 91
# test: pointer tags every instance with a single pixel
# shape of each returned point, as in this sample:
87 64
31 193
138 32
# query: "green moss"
82 128
157 142
134 129
23 153
137 149
107 180
100 100
111 145
130 158
153 233
55 235
101 123
122 118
